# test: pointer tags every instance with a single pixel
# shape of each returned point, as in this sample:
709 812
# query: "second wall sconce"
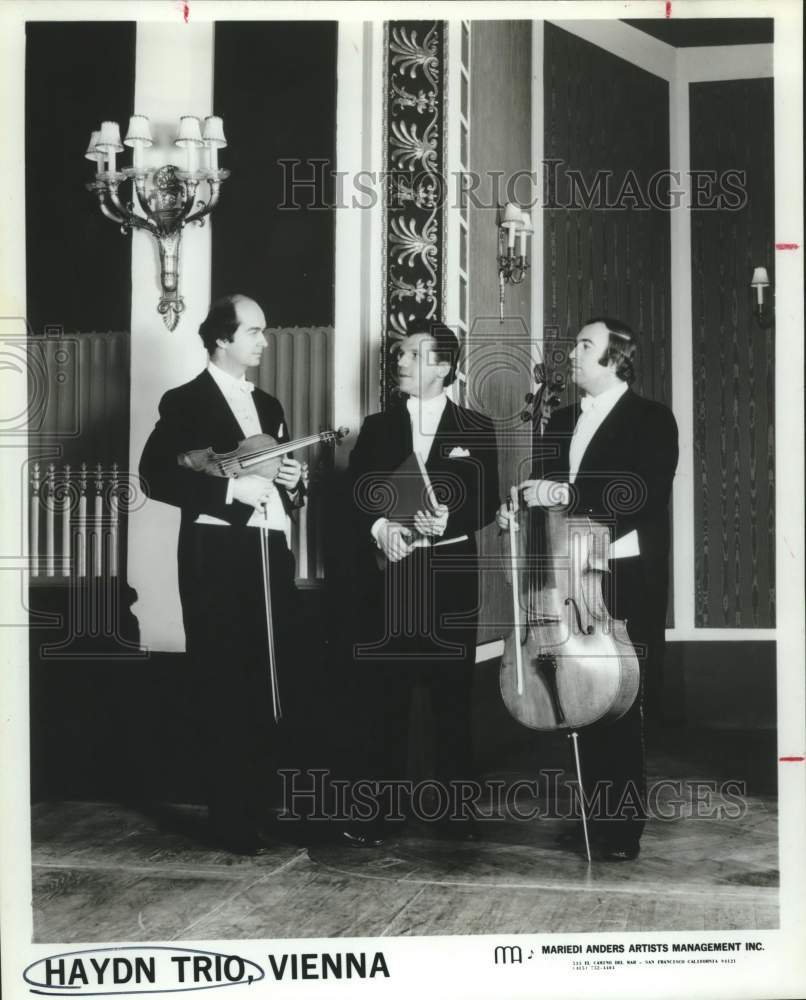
758 283
512 266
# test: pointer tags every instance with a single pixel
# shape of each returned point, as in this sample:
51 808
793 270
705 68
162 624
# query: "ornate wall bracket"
168 204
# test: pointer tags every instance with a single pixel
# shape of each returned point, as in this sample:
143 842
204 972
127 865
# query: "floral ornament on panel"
414 139
410 57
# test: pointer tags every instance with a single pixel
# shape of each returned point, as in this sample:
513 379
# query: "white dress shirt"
594 411
238 394
425 415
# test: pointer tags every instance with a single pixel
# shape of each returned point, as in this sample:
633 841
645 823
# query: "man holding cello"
615 455
231 529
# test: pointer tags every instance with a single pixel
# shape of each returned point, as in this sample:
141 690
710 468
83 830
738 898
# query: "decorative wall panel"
731 129
414 152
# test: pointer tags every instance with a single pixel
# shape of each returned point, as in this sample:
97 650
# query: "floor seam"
402 909
760 891
162 871
183 934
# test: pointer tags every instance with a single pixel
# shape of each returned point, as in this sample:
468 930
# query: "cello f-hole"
585 631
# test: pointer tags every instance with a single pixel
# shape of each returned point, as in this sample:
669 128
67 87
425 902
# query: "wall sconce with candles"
166 194
512 267
759 282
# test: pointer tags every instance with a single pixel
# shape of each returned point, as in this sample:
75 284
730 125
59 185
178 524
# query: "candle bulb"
214 139
189 137
109 143
139 138
93 153
525 232
760 281
512 223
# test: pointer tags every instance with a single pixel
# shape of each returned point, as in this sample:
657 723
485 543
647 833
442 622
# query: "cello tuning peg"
526 416
529 397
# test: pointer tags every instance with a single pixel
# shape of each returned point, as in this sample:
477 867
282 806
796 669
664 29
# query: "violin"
257 455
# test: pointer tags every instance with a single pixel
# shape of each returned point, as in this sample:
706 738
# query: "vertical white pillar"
358 226
174 76
682 352
15 816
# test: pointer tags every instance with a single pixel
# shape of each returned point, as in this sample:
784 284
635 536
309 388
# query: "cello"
569 664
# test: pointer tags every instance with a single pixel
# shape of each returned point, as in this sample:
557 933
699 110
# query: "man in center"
419 587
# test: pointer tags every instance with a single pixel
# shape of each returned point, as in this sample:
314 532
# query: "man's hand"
504 516
432 525
252 490
545 493
289 474
393 540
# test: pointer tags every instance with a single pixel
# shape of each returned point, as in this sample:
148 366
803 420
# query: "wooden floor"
106 872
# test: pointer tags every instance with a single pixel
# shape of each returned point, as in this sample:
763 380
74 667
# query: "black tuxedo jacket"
466 483
625 476
196 415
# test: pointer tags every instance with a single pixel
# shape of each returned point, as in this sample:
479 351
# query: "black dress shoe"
620 852
356 837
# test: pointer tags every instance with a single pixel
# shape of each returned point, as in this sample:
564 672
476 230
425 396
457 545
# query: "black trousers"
417 628
613 756
226 635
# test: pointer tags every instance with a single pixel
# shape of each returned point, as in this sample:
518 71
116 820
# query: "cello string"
516 610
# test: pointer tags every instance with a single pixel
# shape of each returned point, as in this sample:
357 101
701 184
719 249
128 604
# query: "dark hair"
221 322
446 349
621 347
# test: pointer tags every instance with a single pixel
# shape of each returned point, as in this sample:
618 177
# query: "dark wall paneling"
78 263
499 355
683 32
721 685
607 238
604 114
275 86
733 362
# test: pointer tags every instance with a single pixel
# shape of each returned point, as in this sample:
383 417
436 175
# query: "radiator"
74 523
296 368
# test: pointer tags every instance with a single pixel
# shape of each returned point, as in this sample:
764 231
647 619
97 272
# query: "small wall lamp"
759 282
512 267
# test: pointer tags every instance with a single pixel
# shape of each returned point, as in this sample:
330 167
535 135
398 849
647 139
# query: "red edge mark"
788 760
186 11
668 8
787 246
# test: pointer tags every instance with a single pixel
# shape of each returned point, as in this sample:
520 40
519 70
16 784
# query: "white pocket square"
459 453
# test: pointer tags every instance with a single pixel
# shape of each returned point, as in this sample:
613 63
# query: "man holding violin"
613 458
221 582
